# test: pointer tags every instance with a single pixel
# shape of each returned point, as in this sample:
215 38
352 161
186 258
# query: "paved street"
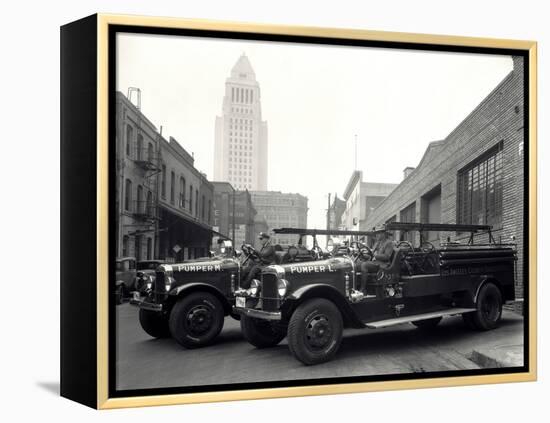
144 362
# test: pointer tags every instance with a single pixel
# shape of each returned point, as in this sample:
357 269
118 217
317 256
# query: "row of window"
138 247
188 199
479 193
242 95
140 152
143 204
243 110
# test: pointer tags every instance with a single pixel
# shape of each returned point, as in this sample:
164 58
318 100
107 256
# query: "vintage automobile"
126 275
145 274
312 302
189 300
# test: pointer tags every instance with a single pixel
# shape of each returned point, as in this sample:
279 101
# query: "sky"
316 100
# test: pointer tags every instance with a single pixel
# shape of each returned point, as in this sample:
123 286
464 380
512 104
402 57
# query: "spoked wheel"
489 308
315 331
196 319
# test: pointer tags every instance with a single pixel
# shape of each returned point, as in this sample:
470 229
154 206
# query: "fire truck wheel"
315 331
119 294
489 307
154 323
196 319
427 324
261 333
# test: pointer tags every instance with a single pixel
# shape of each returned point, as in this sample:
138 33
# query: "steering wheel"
366 252
250 252
292 253
405 244
427 247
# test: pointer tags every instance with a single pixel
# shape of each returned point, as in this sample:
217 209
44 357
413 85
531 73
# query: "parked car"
312 302
126 275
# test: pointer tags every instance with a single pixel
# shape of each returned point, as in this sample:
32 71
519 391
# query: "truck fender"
187 288
322 291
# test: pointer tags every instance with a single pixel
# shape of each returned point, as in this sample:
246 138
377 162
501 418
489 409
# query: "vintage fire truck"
189 300
312 302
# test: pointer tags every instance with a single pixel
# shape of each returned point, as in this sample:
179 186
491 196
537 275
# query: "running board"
406 319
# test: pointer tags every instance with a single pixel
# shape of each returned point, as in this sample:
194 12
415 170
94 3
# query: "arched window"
202 207
125 242
127 194
129 137
190 198
139 147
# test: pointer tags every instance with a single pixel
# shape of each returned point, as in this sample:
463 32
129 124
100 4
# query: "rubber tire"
261 333
480 321
154 323
427 324
298 324
178 315
119 294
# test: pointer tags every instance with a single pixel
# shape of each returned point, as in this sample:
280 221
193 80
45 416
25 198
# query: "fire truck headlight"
282 287
254 288
169 281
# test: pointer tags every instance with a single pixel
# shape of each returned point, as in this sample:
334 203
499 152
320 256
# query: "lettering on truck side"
318 268
199 268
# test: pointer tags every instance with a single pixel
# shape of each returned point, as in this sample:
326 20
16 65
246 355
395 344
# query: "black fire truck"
312 302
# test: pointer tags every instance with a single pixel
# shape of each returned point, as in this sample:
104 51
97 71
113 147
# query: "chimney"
407 171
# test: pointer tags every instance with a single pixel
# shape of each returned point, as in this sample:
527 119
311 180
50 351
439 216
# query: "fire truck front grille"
269 295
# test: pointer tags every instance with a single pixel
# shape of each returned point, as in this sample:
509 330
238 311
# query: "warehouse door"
431 212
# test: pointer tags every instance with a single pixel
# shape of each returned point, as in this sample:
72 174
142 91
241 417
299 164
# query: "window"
129 137
139 205
190 198
149 249
172 186
202 207
209 211
137 247
479 200
127 194
182 192
163 182
196 202
150 152
125 242
149 210
139 147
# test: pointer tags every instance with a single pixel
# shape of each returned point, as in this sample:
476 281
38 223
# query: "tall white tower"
240 151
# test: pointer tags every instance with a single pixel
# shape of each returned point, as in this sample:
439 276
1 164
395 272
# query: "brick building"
473 176
163 203
361 199
137 165
281 210
334 213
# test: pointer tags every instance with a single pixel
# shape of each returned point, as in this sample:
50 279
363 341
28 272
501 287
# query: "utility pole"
328 212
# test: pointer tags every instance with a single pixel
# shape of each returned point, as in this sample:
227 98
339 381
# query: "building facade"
334 213
234 214
137 157
163 203
240 149
185 205
281 210
361 199
474 176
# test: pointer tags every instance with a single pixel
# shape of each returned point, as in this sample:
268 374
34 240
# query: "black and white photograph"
294 212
